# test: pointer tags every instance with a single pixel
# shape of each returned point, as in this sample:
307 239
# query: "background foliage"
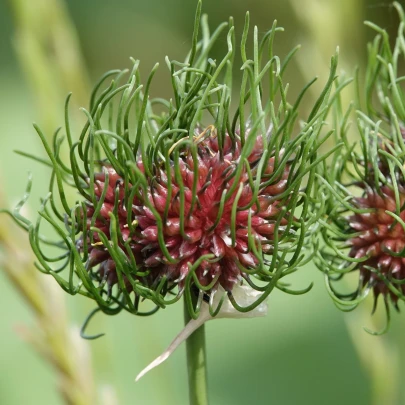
303 351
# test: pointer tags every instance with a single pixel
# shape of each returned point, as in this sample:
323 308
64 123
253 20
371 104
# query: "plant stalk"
196 364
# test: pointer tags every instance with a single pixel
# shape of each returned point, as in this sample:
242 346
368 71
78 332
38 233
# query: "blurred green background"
302 352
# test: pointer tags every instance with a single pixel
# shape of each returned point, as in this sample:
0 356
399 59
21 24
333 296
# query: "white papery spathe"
244 295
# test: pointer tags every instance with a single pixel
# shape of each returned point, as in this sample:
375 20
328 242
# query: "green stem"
196 364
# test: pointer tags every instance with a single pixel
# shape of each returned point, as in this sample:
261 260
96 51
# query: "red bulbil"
203 233
380 238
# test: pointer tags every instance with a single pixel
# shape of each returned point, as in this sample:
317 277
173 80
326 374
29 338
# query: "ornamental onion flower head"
365 229
177 198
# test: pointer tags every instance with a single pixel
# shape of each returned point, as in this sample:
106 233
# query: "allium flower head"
215 221
176 197
365 230
380 240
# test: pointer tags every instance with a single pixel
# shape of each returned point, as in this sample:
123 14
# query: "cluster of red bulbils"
206 227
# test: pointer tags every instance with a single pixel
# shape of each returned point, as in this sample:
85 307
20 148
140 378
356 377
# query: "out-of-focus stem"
48 48
328 24
46 42
378 354
53 339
